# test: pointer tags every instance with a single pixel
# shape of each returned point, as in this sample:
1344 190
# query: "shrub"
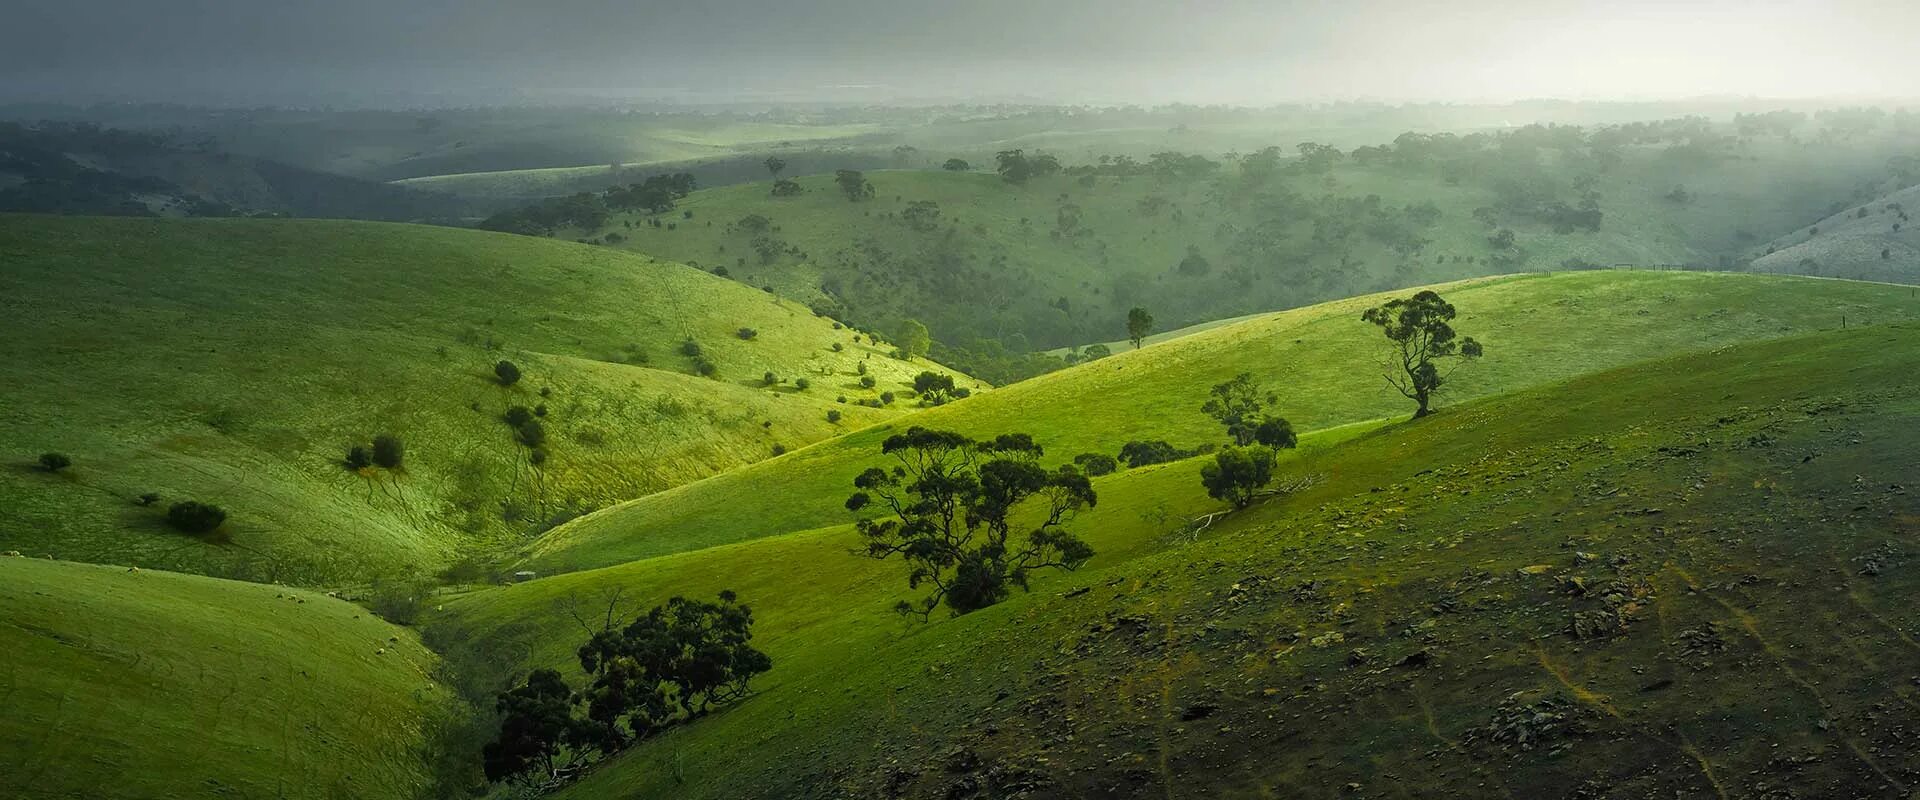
770 378
531 433
388 451
833 415
886 398
1096 464
690 348
1140 454
867 382
54 462
147 499
358 458
932 383
538 456
802 384
540 410
704 368
517 416
190 516
507 373
746 334
779 449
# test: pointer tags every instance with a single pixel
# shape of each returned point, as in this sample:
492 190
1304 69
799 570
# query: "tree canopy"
1419 335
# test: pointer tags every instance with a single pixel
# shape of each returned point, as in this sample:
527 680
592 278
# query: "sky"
1092 51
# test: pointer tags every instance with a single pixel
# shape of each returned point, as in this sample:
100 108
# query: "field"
1595 580
1882 244
235 362
139 684
1321 361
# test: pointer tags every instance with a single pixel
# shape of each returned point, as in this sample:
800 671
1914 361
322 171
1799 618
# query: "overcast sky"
1246 51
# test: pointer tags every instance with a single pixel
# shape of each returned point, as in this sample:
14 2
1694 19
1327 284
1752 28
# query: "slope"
1875 240
1319 360
1679 576
125 684
235 362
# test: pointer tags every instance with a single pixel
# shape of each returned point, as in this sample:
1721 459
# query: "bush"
1096 464
690 348
1140 454
886 398
932 383
538 456
867 382
540 410
147 499
388 451
779 449
746 334
517 416
190 516
530 433
358 458
770 378
802 384
54 462
506 373
704 368
833 415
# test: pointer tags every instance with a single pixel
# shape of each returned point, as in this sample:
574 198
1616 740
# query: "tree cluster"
664 668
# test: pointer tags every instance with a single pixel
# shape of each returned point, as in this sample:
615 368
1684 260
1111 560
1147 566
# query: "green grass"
1320 361
235 361
1848 244
1731 496
142 684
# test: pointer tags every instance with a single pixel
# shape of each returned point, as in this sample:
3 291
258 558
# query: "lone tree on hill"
950 503
853 184
507 373
913 339
1248 415
189 516
1139 324
1419 334
956 165
1237 474
775 165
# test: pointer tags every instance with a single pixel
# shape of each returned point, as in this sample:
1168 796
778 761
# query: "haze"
1148 51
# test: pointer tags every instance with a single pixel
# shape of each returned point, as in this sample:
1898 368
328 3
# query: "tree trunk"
1423 399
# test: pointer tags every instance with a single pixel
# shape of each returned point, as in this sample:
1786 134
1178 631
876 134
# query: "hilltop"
1600 584
236 362
1321 361
142 684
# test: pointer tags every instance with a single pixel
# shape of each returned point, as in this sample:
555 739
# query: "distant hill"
138 684
81 169
1058 259
1876 240
236 362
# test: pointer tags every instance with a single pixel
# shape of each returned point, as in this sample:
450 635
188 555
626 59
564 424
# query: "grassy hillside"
1875 240
1682 576
235 362
1059 261
141 684
1320 360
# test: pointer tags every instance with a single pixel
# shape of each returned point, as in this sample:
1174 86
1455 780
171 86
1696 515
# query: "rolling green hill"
138 684
1875 240
1059 260
1320 360
1680 576
235 362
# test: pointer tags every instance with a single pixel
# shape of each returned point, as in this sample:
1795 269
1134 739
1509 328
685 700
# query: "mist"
1078 51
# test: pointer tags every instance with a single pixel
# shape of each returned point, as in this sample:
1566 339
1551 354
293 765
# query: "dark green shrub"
540 410
1096 464
191 516
538 456
54 462
802 384
886 398
517 416
746 334
867 382
358 458
690 348
770 379
147 499
530 433
388 451
507 373
833 415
